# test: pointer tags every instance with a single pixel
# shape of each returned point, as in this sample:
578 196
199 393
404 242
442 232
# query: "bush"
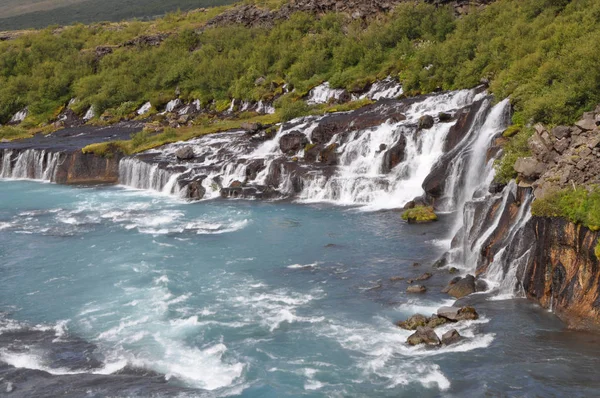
290 109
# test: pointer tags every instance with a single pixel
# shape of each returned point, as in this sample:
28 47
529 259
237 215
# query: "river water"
118 292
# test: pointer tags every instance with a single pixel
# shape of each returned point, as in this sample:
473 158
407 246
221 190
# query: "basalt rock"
293 142
424 335
426 122
394 155
463 287
451 337
564 272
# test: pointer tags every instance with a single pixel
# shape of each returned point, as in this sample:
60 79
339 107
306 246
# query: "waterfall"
30 164
142 175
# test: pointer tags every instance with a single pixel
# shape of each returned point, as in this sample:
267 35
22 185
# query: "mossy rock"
419 215
512 130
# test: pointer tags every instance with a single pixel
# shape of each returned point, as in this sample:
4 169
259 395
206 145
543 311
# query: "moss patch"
420 214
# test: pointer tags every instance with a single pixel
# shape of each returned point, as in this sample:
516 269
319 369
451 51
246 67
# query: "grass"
420 214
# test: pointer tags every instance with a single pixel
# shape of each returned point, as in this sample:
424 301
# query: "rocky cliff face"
563 274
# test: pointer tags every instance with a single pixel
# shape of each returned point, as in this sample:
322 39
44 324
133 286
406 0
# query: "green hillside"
26 14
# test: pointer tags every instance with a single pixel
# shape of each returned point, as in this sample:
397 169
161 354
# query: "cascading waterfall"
141 175
30 164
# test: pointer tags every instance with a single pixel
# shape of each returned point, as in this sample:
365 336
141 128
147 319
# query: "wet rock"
481 285
253 168
425 276
235 184
416 289
451 337
185 153
195 190
442 262
328 155
396 278
423 335
394 156
413 322
426 122
293 142
455 314
453 270
463 287
445 117
452 282
436 321
382 147
416 265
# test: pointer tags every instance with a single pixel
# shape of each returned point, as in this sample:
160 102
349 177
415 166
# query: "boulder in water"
416 289
451 337
413 322
445 117
463 287
426 122
452 282
293 142
481 285
235 184
419 215
455 314
424 335
185 153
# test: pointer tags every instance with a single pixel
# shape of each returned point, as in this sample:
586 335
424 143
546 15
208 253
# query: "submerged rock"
424 335
451 337
425 276
416 289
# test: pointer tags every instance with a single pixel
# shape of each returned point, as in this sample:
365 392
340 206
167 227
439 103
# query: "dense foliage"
542 53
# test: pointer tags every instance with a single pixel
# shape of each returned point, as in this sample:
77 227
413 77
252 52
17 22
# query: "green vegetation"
516 147
26 14
541 53
580 206
420 214
14 133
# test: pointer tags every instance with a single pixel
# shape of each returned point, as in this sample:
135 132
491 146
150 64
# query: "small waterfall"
323 93
144 109
136 173
30 164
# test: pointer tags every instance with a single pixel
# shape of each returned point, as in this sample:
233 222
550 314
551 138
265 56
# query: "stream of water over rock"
132 291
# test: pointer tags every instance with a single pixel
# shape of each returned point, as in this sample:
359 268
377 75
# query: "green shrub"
290 108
